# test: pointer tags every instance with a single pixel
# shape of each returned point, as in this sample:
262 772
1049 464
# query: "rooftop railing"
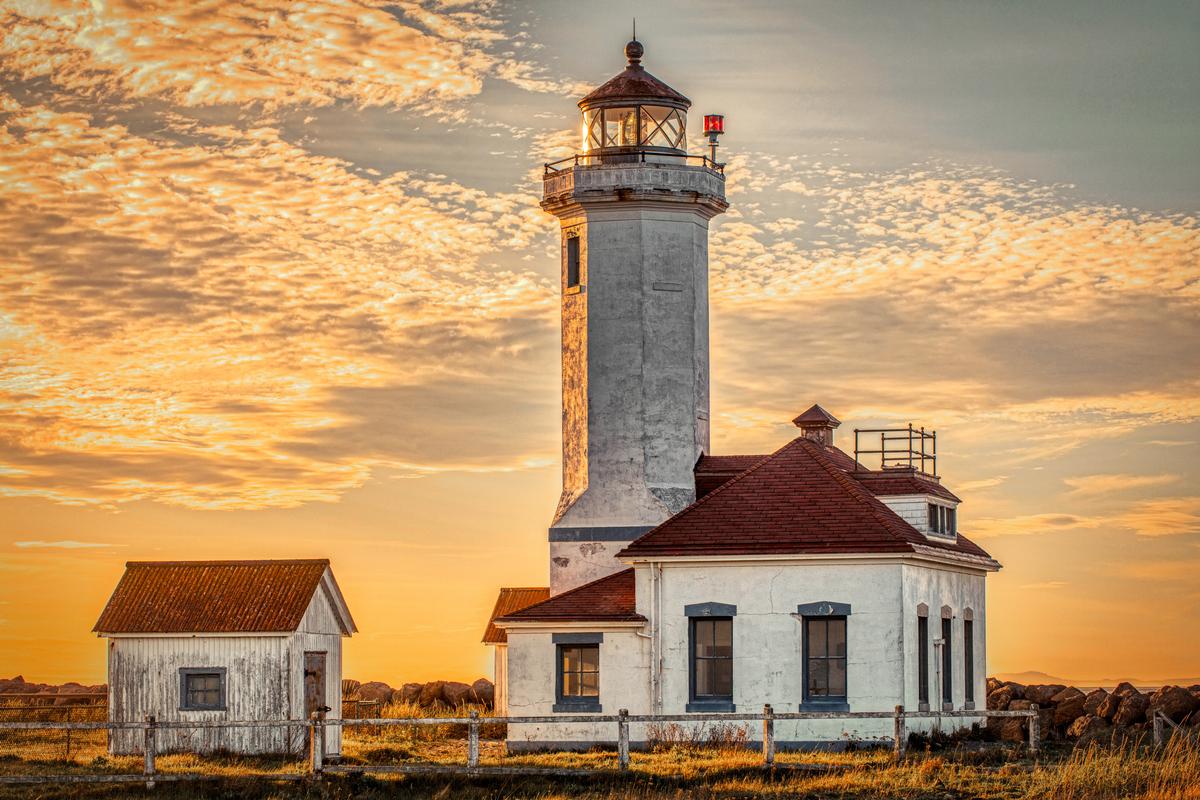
910 448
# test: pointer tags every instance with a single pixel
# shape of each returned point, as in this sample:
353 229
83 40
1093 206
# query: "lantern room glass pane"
620 127
664 127
593 130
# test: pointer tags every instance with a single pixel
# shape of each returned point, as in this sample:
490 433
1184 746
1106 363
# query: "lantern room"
634 112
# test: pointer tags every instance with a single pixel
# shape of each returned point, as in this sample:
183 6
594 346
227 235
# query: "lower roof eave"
919 553
571 625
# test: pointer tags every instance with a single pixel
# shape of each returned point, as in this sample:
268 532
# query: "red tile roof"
796 501
212 596
712 471
610 599
510 600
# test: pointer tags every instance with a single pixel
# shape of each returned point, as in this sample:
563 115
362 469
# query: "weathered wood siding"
320 632
144 680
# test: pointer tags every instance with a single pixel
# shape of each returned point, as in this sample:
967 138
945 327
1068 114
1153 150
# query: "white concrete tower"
634 210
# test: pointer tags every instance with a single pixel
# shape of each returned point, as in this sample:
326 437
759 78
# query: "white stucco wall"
532 660
767 644
960 590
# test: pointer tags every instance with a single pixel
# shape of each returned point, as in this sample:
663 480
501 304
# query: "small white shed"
207 641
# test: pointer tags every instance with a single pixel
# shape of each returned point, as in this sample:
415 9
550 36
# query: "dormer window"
943 520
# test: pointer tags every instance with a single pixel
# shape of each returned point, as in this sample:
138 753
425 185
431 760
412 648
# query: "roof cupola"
817 424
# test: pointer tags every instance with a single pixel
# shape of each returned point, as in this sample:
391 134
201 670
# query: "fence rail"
318 725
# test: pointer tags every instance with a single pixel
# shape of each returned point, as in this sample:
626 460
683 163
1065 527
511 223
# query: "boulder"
409 693
1124 688
457 694
1066 694
1132 709
999 699
485 691
1020 705
375 691
1088 726
1018 689
1109 705
1091 703
73 694
1046 722
993 684
431 694
1174 702
1013 729
17 685
1069 709
1042 692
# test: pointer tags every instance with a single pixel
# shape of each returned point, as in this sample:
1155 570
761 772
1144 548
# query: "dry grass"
672 769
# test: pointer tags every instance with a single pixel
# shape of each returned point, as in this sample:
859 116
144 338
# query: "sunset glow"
274 283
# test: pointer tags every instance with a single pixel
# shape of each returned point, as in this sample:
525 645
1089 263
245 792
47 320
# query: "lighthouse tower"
634 210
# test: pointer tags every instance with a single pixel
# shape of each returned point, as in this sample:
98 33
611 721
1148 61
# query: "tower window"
572 261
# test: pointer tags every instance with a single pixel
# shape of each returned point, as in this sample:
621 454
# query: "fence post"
1034 729
768 736
898 734
1159 729
316 743
148 748
473 740
623 739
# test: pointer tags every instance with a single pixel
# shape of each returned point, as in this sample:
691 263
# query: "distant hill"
1033 676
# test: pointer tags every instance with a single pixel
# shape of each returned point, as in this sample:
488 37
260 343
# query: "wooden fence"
317 764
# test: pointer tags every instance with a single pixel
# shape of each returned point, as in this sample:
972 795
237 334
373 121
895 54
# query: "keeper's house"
208 641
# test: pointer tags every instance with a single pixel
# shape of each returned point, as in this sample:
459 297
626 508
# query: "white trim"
933 498
540 626
334 593
923 553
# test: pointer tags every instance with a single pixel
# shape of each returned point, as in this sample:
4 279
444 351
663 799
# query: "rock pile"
1066 712
435 694
68 694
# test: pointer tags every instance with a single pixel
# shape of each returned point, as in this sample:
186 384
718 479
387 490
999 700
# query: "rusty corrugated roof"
211 596
511 600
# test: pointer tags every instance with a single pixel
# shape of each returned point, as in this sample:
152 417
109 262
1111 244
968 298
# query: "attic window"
943 520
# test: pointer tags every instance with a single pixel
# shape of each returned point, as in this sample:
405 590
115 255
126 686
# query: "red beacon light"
714 126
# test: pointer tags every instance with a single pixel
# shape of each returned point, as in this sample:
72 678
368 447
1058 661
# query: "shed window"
825 667
572 261
202 689
712 660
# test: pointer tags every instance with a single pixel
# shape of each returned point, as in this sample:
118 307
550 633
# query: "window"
202 689
825 654
943 520
577 679
923 662
572 262
947 663
969 660
712 660
620 127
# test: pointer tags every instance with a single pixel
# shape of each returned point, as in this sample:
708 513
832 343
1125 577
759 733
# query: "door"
314 683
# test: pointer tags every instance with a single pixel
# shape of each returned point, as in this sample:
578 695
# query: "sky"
274 283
